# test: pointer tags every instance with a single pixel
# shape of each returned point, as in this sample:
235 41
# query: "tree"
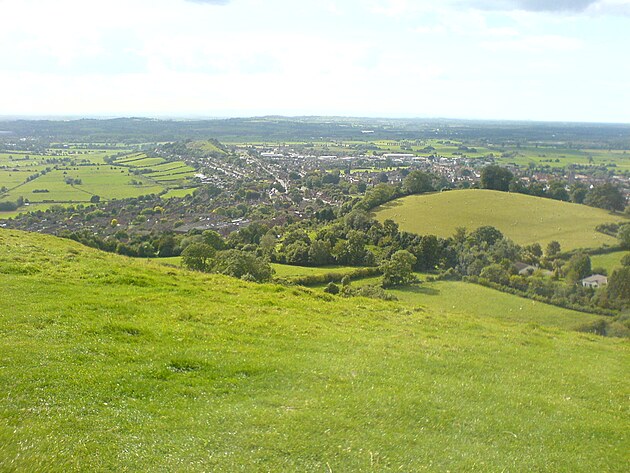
578 267
557 190
418 182
578 192
197 256
496 273
95 199
297 253
553 248
619 285
486 234
241 264
331 288
212 238
495 177
319 253
606 196
623 235
398 270
166 246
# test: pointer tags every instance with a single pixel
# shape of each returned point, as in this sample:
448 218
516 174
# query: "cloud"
532 5
211 2
610 7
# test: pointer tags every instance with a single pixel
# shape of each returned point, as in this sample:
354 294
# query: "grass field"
456 297
114 364
608 261
524 219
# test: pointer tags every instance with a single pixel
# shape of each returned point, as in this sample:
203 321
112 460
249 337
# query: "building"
596 280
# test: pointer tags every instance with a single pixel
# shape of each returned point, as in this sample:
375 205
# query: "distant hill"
114 364
524 219
277 128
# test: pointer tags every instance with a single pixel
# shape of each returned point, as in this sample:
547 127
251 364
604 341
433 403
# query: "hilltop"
523 218
110 363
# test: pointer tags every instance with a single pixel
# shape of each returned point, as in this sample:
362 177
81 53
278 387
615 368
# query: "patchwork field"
75 175
114 364
524 219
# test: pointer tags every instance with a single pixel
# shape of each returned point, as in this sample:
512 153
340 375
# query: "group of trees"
606 196
232 262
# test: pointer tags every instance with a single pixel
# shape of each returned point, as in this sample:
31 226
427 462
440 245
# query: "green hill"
114 364
524 219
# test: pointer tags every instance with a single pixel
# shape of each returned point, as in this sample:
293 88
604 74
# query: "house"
525 269
596 280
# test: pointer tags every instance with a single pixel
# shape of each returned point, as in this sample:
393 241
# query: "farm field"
110 363
43 178
555 157
524 219
608 261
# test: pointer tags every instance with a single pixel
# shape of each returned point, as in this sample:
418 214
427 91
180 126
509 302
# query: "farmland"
75 176
110 363
524 219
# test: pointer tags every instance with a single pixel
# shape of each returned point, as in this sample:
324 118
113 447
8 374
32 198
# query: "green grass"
456 297
608 261
114 364
524 219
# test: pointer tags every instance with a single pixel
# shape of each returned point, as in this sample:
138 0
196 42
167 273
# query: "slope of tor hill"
111 364
523 218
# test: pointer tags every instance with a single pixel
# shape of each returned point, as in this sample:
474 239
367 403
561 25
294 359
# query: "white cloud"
396 57
535 44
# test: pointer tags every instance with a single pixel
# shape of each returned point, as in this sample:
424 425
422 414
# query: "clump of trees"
235 263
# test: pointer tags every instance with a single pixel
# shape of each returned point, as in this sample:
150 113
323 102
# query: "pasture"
114 364
608 261
524 219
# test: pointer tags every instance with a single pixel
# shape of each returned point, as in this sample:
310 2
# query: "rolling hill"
114 364
524 219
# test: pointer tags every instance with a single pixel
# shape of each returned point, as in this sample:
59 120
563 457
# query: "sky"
563 60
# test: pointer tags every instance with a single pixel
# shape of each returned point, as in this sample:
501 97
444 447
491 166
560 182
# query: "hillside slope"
523 218
111 364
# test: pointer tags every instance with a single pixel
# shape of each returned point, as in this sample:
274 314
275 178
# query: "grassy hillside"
524 219
113 364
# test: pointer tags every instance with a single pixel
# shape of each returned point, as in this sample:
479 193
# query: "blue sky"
566 60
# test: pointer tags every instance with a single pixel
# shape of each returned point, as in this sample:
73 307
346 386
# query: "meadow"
114 364
608 261
524 219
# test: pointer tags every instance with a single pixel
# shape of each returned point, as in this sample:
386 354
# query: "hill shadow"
427 291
